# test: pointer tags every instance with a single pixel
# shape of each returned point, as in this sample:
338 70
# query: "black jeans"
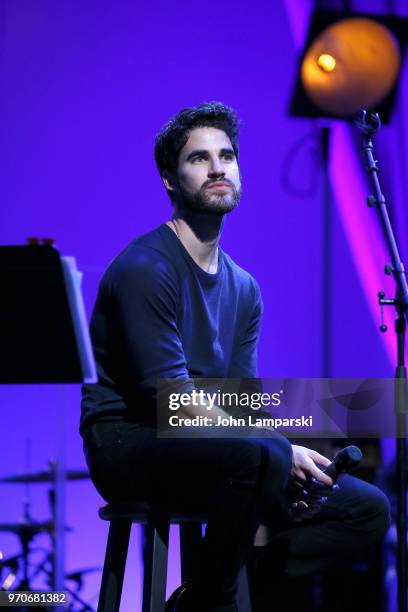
240 483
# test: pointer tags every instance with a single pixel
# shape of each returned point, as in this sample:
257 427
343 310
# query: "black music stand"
44 338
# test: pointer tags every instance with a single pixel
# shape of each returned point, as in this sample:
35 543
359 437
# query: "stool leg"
190 538
243 597
156 543
114 566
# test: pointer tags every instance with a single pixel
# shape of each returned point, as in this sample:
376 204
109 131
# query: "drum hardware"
31 529
44 476
10 578
77 576
27 529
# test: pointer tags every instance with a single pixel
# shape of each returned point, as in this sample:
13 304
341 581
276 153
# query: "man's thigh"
128 461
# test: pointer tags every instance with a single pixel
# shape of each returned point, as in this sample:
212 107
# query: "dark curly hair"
174 135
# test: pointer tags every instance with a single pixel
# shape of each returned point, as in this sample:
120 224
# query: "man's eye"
228 156
198 158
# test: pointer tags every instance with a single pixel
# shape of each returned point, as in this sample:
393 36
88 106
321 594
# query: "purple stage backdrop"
86 85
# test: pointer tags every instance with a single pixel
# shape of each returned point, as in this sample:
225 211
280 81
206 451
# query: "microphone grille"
349 457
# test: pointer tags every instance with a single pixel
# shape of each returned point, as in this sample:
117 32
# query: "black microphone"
345 461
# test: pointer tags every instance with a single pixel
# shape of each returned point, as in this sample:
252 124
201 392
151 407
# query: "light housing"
367 51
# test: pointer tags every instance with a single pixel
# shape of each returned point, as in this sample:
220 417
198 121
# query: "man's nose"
216 168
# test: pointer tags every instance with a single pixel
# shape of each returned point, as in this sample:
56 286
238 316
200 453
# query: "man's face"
208 178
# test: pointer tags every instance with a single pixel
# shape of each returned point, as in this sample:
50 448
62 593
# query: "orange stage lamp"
350 62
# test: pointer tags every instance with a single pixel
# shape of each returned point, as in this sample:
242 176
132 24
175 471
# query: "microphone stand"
368 126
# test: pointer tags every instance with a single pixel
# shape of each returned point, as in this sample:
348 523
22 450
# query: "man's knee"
279 455
375 511
277 462
271 457
380 512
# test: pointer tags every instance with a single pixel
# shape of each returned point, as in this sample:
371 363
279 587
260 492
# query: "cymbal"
30 529
45 476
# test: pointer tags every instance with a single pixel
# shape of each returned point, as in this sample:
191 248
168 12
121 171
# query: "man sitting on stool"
173 304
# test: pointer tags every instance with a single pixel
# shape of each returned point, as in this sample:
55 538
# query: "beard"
211 203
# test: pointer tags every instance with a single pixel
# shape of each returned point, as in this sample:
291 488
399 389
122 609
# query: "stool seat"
155 521
143 513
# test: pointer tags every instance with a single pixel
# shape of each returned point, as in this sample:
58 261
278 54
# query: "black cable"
289 177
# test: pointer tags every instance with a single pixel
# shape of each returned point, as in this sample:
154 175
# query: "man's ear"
168 181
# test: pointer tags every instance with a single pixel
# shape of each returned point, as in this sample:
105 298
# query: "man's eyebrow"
228 150
196 152
205 152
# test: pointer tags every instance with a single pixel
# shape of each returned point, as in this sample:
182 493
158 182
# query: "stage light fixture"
350 61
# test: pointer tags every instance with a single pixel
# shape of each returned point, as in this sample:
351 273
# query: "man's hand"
304 468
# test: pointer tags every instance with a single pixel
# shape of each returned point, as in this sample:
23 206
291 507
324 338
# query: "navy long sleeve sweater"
159 315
